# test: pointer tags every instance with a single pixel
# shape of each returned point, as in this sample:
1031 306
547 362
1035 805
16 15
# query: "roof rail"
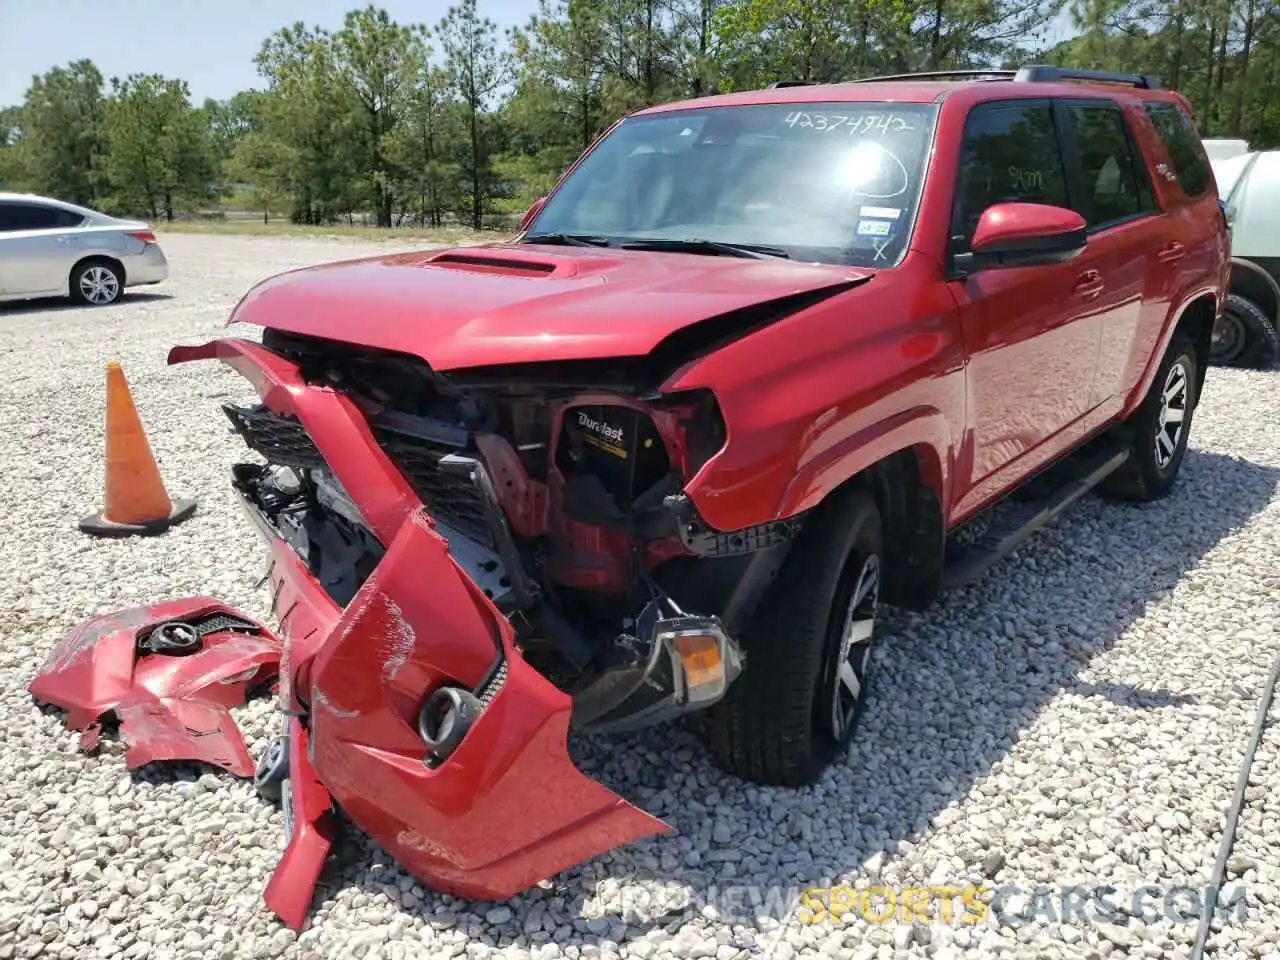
779 84
1039 73
942 75
1034 73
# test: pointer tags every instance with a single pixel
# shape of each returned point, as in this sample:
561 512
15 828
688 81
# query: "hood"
502 304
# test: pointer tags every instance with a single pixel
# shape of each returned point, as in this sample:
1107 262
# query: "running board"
1009 533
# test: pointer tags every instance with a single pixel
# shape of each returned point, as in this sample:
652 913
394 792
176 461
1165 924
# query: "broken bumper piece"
432 733
415 712
168 674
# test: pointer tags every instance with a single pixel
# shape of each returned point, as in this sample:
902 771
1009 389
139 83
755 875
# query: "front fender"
923 429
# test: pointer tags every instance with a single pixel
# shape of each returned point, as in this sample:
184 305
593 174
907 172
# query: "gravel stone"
1076 718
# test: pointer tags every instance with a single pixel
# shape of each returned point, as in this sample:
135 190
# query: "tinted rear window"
1114 180
1182 142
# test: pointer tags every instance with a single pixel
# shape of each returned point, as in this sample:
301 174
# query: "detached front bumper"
505 807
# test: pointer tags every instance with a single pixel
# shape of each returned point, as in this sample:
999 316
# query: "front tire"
97 283
1159 428
798 701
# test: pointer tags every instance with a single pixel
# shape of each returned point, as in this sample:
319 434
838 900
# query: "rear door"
36 254
1111 189
1191 244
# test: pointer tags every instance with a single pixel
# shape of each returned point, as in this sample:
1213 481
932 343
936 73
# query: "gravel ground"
1076 719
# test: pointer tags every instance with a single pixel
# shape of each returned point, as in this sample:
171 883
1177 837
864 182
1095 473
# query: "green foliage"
61 133
262 164
404 124
157 152
11 172
476 68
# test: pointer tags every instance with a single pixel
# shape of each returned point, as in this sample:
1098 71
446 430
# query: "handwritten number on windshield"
872 124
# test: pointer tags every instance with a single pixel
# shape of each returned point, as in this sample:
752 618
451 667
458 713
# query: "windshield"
825 182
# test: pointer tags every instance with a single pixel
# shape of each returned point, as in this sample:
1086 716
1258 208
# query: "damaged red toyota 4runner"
743 375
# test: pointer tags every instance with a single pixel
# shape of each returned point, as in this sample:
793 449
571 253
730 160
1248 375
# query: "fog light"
444 720
707 658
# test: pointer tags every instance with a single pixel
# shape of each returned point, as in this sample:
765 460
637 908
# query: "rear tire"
97 283
1159 428
801 694
1245 336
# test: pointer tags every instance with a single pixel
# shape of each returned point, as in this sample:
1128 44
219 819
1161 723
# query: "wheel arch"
1195 316
908 484
906 489
1196 321
97 258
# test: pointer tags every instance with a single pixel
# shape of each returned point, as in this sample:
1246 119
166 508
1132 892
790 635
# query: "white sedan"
53 249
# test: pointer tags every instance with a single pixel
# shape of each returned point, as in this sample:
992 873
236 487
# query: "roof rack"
942 75
1034 73
1039 73
780 84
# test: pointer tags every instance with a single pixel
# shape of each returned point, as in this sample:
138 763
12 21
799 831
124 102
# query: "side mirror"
531 212
1024 235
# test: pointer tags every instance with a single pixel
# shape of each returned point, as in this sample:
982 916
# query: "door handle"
1172 253
1089 285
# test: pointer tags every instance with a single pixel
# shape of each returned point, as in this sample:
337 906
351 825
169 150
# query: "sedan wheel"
96 284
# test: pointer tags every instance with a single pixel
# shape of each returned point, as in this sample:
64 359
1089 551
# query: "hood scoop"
507 263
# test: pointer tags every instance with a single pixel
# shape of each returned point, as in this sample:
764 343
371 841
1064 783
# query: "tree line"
427 124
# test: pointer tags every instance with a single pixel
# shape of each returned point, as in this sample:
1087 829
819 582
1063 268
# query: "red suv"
742 376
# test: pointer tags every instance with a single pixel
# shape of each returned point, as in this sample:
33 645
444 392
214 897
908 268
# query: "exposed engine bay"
559 492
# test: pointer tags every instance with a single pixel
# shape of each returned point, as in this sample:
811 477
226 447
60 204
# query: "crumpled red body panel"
163 729
309 807
169 707
509 807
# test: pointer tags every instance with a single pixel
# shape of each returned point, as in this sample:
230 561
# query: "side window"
27 216
1114 180
67 218
1010 152
9 219
1182 142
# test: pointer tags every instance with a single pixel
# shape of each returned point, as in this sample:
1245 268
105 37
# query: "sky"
208 43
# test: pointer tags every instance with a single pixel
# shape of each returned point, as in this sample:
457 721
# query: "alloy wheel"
99 285
1171 419
855 649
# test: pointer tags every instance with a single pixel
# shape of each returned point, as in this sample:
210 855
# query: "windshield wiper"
749 250
567 239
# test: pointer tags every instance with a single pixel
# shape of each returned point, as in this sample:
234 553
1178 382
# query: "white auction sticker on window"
880 213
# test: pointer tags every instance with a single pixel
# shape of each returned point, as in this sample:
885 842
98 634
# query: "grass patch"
279 228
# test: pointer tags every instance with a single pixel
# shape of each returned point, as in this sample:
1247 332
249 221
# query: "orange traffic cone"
136 501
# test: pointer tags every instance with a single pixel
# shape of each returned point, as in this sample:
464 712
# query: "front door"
1032 334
